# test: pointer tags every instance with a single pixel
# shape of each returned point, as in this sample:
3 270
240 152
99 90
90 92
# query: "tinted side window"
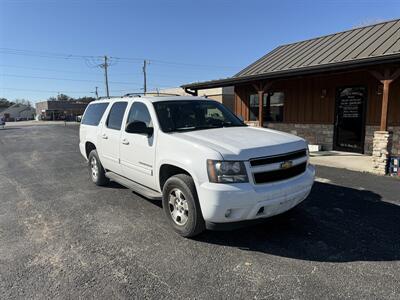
116 115
139 112
93 114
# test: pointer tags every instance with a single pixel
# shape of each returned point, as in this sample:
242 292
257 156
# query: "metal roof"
373 43
16 109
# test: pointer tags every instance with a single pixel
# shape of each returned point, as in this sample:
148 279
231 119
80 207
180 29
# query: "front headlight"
226 171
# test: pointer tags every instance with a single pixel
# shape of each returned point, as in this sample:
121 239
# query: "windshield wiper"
234 125
192 128
195 128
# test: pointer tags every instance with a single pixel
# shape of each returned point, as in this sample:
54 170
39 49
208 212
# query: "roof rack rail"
110 97
149 94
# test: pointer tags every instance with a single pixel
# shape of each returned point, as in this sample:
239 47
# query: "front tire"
181 206
96 170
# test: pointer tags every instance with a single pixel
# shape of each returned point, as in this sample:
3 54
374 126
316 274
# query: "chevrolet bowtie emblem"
286 164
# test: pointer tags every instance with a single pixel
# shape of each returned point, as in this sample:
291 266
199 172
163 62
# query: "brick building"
60 110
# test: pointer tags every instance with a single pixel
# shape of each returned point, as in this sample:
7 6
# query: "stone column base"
253 123
380 152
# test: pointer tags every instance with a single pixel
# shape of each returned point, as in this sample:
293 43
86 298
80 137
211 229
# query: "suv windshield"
186 115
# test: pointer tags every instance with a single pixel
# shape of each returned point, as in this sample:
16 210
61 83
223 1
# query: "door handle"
125 142
104 136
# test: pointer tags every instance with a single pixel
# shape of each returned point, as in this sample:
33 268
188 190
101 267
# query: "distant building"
60 110
18 112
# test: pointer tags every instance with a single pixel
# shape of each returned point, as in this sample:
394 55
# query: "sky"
56 46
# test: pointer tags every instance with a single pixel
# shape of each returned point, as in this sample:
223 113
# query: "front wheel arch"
167 171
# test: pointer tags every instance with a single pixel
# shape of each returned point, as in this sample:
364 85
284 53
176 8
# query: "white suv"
209 168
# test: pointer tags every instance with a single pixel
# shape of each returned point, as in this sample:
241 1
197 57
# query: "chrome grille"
278 167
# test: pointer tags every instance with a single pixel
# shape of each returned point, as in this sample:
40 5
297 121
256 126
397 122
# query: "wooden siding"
305 102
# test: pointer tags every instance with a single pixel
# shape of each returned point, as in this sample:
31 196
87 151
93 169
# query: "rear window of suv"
93 114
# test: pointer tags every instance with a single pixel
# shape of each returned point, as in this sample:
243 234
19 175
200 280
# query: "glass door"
349 119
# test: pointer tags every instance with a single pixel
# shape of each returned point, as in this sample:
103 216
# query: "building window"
276 102
253 107
273 107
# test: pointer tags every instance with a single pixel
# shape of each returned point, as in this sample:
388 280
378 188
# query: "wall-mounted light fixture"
324 92
379 90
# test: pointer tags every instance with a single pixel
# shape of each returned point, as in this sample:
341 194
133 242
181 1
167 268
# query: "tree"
85 99
5 103
23 102
63 97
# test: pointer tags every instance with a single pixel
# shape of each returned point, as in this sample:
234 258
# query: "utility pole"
105 66
96 93
145 76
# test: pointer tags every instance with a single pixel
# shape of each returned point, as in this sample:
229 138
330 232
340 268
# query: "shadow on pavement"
114 185
9 128
335 224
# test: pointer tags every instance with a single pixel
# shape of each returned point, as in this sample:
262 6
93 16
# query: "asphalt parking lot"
63 237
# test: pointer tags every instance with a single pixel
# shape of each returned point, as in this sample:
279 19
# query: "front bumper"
226 203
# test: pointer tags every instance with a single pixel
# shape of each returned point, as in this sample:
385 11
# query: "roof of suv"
155 98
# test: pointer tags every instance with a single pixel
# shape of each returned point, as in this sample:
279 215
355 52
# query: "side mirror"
139 127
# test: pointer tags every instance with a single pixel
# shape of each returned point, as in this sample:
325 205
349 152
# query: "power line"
43 91
44 54
160 75
78 72
45 69
66 56
63 91
67 79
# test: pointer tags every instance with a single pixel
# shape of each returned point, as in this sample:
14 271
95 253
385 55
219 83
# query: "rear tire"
181 206
96 170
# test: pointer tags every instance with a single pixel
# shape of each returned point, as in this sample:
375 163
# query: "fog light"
228 213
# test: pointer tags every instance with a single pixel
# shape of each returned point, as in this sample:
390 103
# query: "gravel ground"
63 237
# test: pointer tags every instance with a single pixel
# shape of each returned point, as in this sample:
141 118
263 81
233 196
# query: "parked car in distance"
210 170
2 122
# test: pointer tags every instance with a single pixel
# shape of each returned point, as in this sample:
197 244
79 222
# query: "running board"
136 187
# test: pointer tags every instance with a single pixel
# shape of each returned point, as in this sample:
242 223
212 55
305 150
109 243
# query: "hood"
244 143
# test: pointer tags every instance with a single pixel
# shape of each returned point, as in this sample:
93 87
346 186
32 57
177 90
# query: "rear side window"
116 115
93 114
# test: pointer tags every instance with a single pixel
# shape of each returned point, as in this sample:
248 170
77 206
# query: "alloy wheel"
178 207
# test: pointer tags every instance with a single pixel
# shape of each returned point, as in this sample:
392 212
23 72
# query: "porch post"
261 89
385 104
383 138
260 108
